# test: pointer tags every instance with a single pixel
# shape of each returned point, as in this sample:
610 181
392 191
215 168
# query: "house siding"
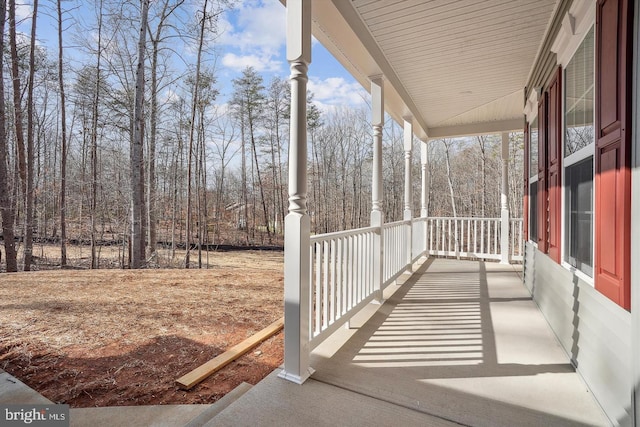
600 350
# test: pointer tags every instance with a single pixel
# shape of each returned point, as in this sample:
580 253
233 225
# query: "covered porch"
457 343
442 70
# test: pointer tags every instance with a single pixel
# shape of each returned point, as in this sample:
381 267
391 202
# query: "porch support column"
424 194
504 202
297 224
377 217
408 188
424 169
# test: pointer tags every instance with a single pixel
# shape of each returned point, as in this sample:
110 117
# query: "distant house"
563 72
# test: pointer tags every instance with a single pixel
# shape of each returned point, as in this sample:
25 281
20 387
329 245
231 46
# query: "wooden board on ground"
200 373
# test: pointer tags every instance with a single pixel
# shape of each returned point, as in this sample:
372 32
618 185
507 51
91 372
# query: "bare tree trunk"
17 108
63 155
153 125
482 143
137 151
192 125
447 145
6 208
94 145
244 199
255 156
28 241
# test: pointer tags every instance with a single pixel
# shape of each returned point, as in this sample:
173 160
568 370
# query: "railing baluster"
339 283
461 248
325 285
351 271
498 236
332 307
482 236
318 299
430 236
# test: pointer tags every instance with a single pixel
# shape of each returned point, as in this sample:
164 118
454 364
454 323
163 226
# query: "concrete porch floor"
459 343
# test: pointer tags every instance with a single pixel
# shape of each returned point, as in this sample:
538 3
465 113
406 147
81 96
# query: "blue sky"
251 34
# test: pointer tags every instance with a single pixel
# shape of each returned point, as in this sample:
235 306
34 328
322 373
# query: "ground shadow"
134 375
438 326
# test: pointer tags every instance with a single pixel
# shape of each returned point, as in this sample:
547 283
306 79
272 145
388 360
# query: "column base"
298 379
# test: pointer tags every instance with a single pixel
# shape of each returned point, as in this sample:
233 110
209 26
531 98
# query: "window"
533 208
578 100
579 215
533 149
533 180
578 156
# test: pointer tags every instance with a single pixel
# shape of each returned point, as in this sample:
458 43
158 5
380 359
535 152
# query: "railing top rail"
346 233
465 218
392 224
471 218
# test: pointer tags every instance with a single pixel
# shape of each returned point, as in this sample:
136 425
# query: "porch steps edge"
210 413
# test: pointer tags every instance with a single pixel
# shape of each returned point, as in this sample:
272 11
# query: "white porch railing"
396 250
517 242
342 279
418 238
472 238
342 273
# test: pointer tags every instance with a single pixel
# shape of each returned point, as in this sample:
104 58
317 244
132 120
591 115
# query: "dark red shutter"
554 165
542 174
614 26
525 201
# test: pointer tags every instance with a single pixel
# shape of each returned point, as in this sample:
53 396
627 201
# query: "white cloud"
23 10
260 25
240 62
253 34
169 96
336 91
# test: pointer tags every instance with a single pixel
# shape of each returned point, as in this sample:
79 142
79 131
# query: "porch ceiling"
458 67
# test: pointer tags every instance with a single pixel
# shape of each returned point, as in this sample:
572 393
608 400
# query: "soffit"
457 67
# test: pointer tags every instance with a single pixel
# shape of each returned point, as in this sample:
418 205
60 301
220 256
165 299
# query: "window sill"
582 276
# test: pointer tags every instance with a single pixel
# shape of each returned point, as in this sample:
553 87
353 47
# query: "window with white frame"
578 156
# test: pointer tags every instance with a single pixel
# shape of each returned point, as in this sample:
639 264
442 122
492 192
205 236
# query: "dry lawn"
122 337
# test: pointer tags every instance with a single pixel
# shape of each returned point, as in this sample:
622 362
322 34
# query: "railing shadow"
437 326
441 320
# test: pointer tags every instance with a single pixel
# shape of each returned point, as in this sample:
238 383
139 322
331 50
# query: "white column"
504 202
424 169
408 188
424 193
297 224
377 217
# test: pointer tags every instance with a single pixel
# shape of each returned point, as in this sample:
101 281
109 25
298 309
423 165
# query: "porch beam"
511 125
377 216
408 188
297 223
504 202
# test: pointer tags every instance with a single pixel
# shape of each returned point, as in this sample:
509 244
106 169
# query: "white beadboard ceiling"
457 66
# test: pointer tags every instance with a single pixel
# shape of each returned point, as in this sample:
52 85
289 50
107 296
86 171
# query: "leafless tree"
137 150
6 207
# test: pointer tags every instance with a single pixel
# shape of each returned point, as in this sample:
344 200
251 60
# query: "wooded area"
114 138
